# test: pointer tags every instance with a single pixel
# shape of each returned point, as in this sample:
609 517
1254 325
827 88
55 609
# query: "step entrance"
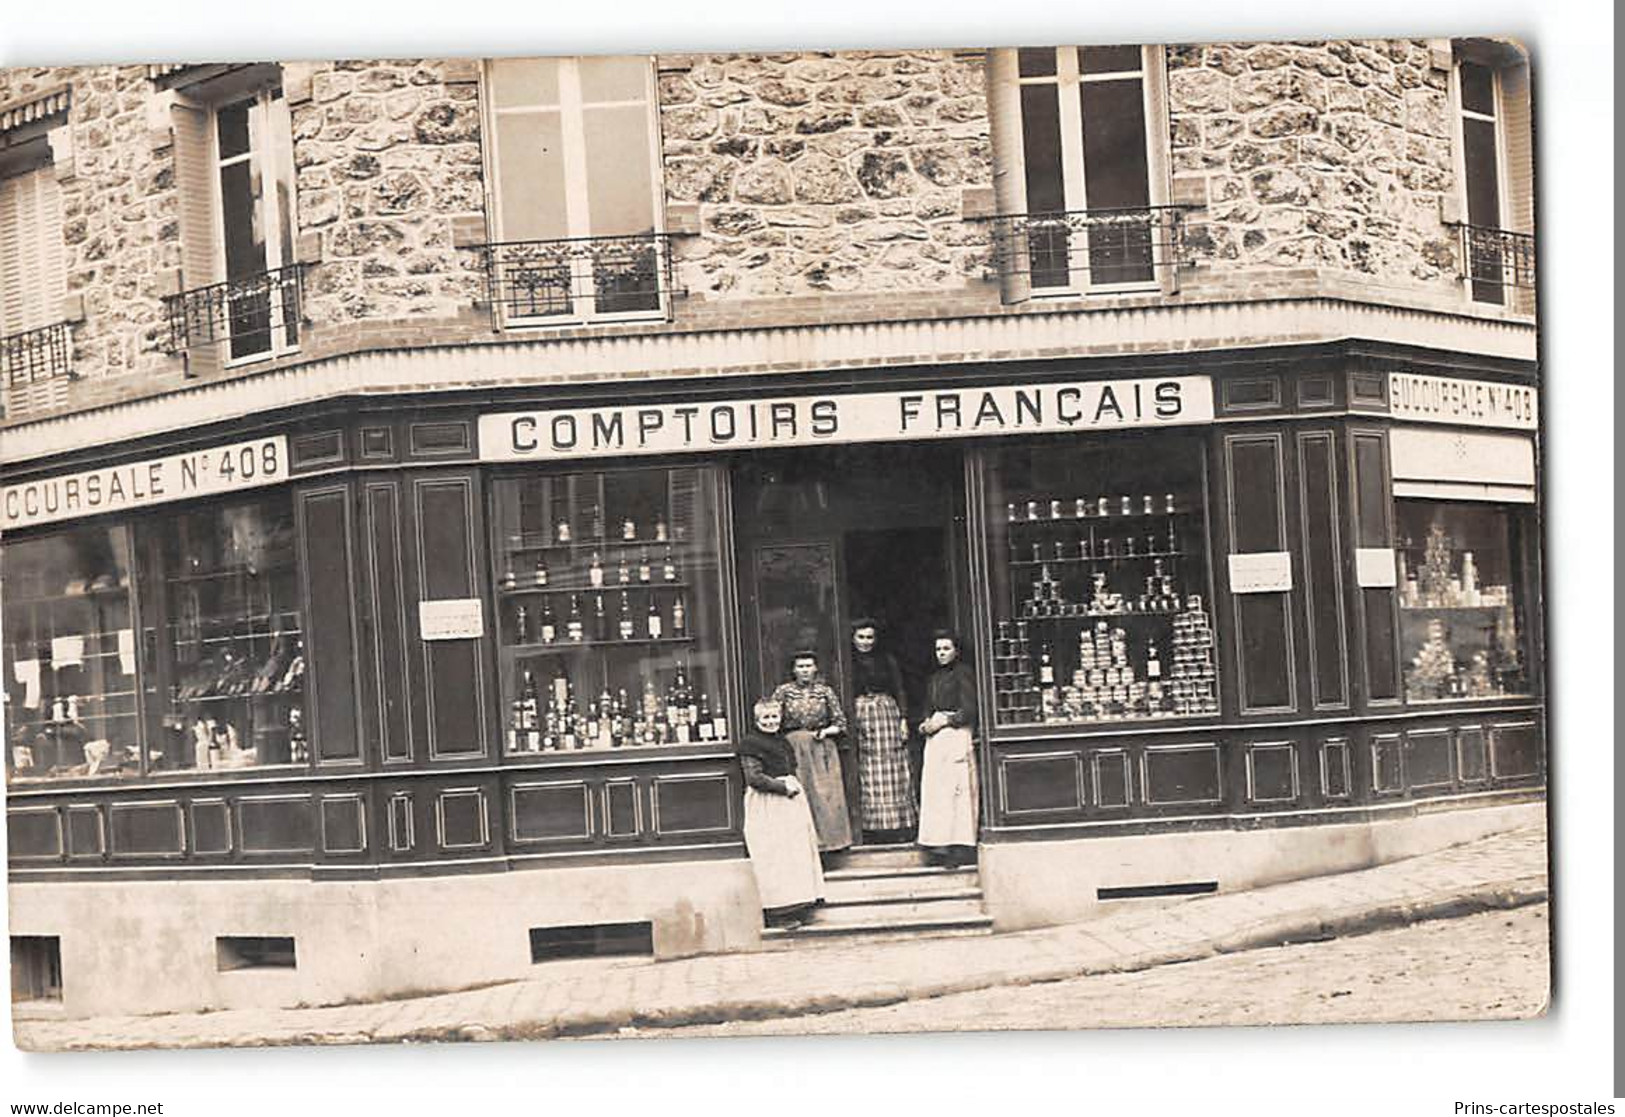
890 891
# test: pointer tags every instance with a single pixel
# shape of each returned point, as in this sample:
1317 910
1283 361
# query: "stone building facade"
412 469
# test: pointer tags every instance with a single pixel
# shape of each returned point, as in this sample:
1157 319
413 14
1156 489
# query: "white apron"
783 849
948 799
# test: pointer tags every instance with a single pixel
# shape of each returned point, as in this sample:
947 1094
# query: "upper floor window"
234 167
1081 158
574 147
1495 164
35 341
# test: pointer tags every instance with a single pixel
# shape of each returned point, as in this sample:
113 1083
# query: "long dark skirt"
818 765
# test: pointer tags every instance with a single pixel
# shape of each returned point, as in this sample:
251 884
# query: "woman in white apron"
779 833
949 801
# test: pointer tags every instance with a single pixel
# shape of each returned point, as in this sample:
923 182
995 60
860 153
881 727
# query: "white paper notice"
67 651
1261 572
459 618
1374 567
126 651
27 672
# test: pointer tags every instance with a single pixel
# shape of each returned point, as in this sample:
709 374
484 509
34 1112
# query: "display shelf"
1109 560
607 587
1069 517
560 646
105 593
1144 614
588 544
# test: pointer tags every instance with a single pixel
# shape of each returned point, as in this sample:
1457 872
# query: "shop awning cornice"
533 360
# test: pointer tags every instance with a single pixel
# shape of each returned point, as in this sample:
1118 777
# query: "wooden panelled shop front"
1237 591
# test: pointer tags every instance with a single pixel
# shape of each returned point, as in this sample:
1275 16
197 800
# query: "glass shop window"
70 659
224 637
1100 584
609 599
1461 608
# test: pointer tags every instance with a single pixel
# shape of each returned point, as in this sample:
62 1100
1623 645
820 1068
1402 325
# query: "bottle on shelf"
539 573
1046 667
660 527
707 728
645 571
624 573
654 622
530 714
600 619
629 529
719 721
573 625
679 618
628 625
562 534
595 571
668 569
597 522
521 625
1080 508
549 629
509 579
516 717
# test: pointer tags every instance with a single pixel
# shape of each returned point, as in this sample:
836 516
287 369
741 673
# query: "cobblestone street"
1487 966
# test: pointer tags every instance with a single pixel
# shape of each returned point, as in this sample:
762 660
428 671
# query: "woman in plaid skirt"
887 804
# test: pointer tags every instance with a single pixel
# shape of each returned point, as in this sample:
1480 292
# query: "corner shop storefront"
420 682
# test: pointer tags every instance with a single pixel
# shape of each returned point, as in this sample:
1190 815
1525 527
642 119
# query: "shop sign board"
453 618
120 488
832 419
1261 572
1472 403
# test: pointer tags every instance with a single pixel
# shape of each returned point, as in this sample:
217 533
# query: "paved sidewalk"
584 998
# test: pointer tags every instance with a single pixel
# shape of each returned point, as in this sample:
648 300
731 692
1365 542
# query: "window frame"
577 188
265 161
1069 81
1497 59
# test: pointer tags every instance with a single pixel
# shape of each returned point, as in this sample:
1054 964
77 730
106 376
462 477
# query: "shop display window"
70 658
1100 583
609 605
1460 607
224 638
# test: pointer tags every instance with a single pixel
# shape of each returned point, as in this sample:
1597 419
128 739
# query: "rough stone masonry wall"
120 229
818 172
1330 155
388 163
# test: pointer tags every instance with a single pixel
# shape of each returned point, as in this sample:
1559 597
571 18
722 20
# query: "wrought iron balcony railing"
35 367
253 315
1494 259
573 279
1082 250
35 355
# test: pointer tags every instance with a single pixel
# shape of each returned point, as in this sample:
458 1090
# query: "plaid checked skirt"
887 802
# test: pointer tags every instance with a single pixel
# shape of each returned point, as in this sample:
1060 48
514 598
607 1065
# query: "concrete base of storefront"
1039 883
150 946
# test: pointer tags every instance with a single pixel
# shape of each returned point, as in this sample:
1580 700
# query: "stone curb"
1290 928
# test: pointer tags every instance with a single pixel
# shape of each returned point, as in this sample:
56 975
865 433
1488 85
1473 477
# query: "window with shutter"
574 150
1079 159
234 167
1490 88
33 282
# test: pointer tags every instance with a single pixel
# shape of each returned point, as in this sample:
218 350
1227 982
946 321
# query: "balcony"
579 279
35 367
1494 260
1083 251
254 316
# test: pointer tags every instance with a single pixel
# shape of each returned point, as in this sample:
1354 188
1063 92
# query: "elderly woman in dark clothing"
779 833
886 800
813 719
948 791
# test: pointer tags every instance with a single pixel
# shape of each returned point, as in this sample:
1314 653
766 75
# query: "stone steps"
888 893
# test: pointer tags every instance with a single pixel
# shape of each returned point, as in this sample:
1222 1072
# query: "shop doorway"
828 535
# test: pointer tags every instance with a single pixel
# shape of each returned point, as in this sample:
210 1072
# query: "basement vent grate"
599 940
254 952
1144 891
36 968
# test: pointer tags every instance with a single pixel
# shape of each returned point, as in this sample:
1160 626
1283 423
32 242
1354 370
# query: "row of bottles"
1086 545
1086 508
564 532
541 625
540 577
557 721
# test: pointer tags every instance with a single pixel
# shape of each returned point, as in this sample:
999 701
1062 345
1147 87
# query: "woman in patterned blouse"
813 718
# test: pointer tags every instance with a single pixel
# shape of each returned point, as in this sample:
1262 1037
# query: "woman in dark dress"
887 809
948 790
